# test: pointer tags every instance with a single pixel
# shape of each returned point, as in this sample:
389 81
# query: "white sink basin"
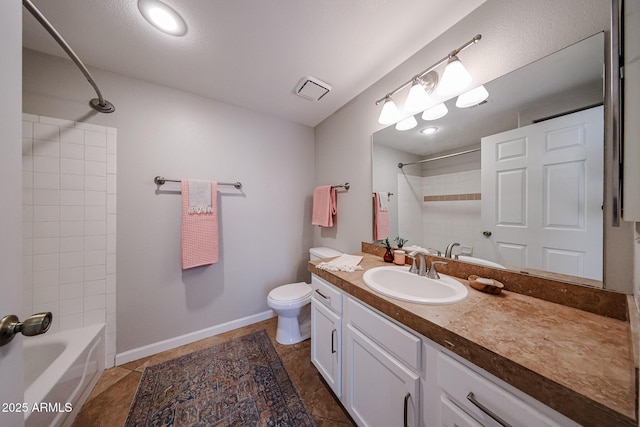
480 261
398 283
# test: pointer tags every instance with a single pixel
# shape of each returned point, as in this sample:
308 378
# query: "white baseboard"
160 346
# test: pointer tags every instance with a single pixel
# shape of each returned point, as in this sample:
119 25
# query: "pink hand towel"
380 220
324 206
199 243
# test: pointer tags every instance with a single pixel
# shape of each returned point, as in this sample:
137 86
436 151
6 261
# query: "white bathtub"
59 372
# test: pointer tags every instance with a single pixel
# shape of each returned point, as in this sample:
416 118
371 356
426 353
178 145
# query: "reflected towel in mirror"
380 219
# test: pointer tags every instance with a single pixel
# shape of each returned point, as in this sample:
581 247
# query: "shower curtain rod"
446 156
99 104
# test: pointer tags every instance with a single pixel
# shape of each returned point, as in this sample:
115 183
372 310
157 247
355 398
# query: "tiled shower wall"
410 209
448 220
452 216
69 181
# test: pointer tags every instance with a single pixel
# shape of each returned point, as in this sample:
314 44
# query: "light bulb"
435 112
390 113
163 17
406 124
472 97
429 130
455 78
418 98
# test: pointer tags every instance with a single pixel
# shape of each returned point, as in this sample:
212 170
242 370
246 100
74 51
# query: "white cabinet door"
380 391
326 340
542 195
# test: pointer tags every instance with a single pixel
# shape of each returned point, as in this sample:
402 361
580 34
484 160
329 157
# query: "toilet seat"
291 293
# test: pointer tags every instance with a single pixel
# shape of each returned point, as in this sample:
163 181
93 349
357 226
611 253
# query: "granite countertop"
579 363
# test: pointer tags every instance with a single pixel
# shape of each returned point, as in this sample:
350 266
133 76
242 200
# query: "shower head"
102 107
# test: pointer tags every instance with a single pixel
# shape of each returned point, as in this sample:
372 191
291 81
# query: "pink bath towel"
324 206
380 219
199 244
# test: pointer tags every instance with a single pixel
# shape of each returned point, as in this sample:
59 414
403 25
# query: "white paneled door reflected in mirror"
528 193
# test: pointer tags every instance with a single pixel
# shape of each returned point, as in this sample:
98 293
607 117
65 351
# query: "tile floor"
108 404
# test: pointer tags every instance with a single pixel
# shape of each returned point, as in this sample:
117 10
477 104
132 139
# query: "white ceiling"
251 53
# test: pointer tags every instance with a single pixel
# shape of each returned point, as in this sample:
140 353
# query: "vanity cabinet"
326 332
387 375
380 388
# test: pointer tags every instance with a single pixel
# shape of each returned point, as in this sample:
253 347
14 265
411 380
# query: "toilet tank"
322 252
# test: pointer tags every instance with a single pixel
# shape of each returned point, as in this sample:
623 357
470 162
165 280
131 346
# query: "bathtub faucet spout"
37 324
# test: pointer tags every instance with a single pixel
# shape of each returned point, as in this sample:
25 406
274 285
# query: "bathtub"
60 370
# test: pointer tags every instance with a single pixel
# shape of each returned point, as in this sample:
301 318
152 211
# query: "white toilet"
292 304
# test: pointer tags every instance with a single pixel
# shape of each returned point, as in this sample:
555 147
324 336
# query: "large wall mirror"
517 180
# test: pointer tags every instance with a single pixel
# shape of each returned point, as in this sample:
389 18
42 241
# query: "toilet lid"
291 292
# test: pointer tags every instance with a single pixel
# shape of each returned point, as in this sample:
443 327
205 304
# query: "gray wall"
265 230
514 33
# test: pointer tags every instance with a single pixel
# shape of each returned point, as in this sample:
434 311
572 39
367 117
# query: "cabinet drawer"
326 293
452 416
465 387
394 339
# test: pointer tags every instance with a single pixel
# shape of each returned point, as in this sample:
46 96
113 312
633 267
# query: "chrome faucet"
418 258
447 253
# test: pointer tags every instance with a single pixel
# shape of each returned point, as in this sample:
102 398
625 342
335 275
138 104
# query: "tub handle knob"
37 324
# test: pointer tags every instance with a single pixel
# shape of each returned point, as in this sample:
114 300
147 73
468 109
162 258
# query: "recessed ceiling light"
163 17
429 130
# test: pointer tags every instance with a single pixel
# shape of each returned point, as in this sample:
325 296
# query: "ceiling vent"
312 88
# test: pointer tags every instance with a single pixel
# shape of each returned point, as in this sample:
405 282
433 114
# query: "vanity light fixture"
387 115
429 130
406 124
435 112
418 98
455 78
390 113
472 97
163 17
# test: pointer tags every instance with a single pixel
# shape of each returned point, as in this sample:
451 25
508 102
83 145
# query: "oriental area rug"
241 382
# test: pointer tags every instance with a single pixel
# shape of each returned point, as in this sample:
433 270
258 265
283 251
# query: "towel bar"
160 180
